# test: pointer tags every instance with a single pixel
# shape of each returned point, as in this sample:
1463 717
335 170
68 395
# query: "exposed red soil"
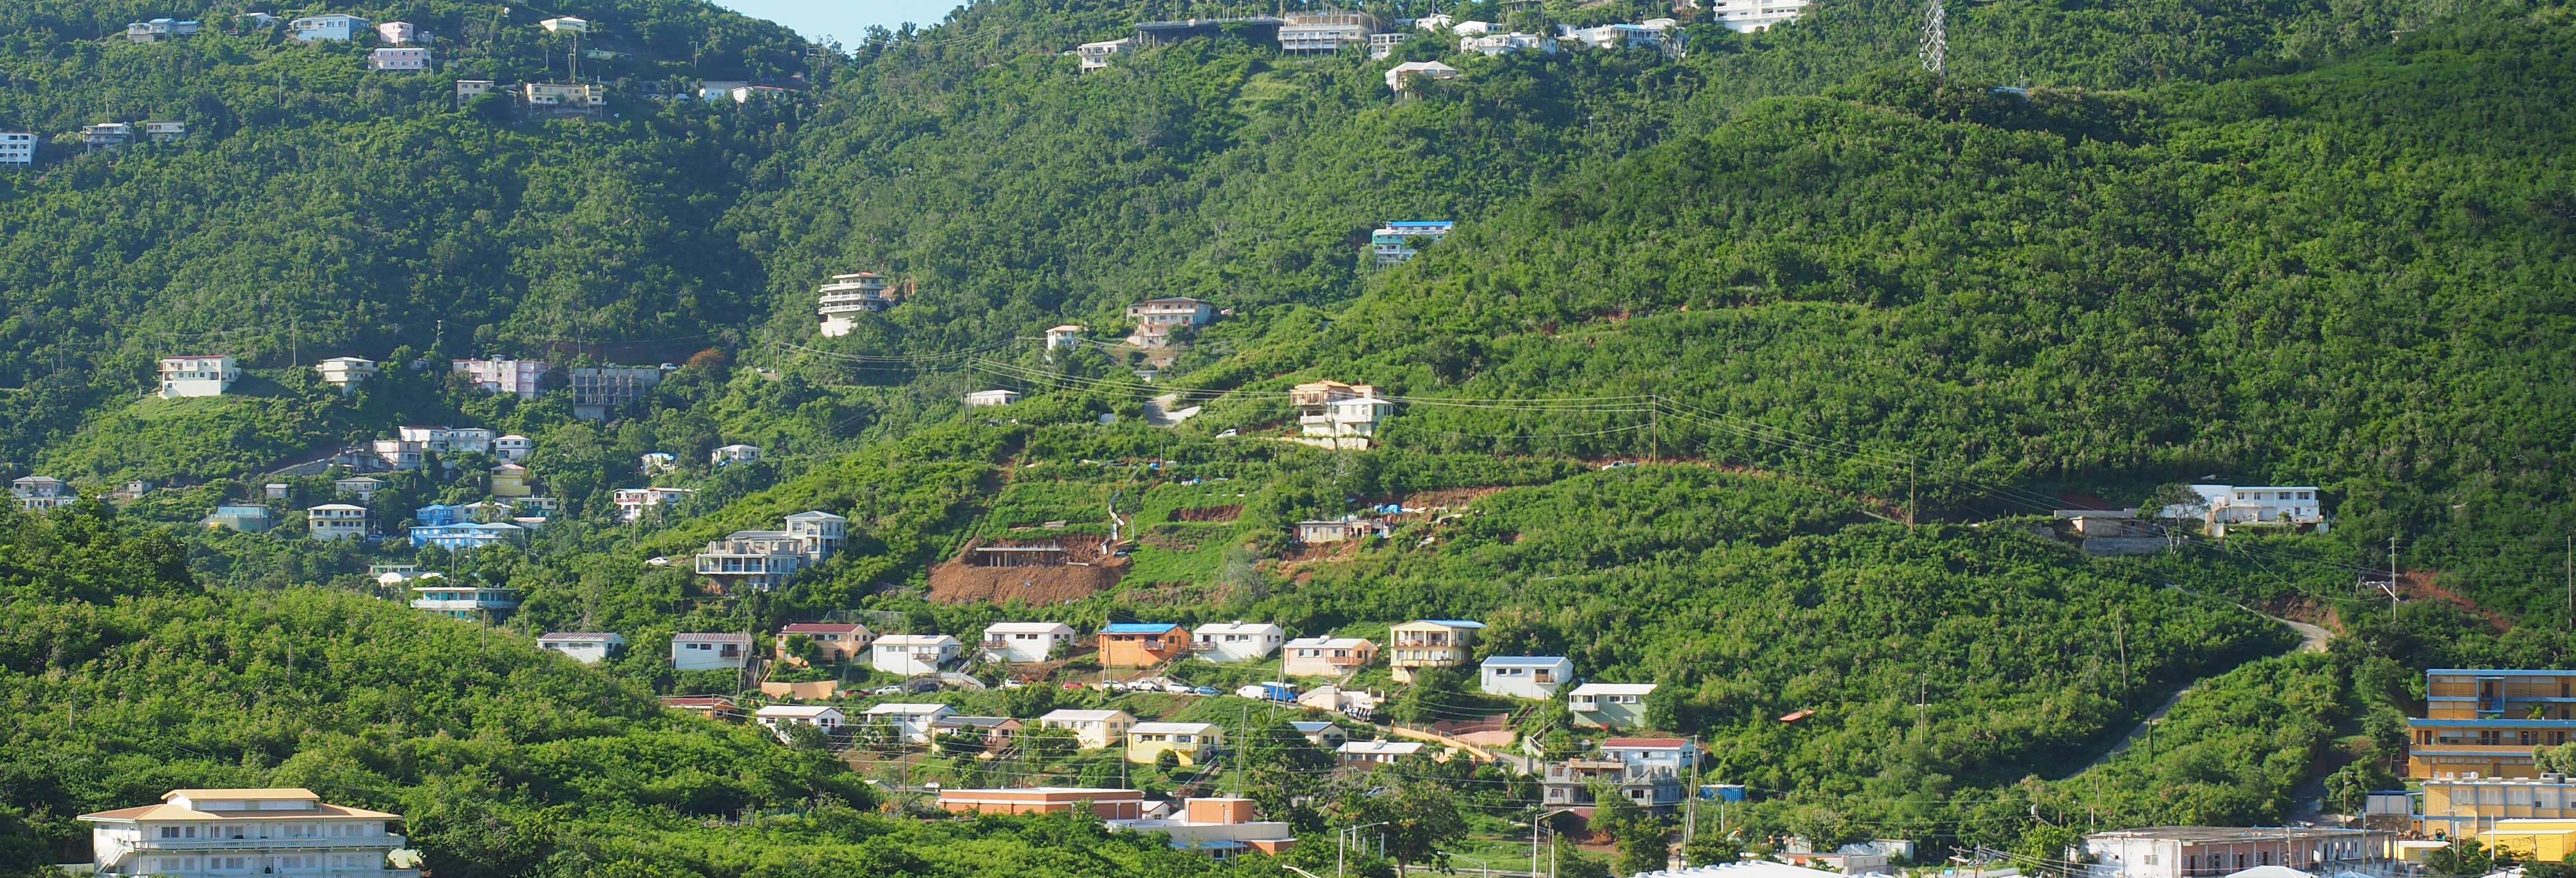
1209 513
2421 585
1086 573
2309 610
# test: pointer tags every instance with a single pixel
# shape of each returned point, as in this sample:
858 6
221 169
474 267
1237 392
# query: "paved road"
2311 639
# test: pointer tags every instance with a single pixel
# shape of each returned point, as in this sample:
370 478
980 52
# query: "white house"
472 439
912 723
198 375
38 493
566 24
1093 729
1370 752
1664 755
1064 336
1525 676
1749 16
913 654
227 832
362 487
2225 506
1024 641
1398 75
1648 34
400 33
838 304
1609 705
777 717
326 27
1320 733
734 454
1236 641
1096 55
699 652
345 372
519 377
336 521
1503 44
160 29
400 59
988 398
466 602
2178 851
586 647
512 448
654 462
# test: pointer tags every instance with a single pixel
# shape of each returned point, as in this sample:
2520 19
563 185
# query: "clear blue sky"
845 20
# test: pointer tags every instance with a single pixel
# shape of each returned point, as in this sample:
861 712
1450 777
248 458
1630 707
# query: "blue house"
468 535
437 514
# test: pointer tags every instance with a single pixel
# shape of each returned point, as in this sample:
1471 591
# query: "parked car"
896 689
1205 690
1179 688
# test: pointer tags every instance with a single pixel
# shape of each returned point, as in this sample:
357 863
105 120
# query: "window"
2151 859
169 832
2530 737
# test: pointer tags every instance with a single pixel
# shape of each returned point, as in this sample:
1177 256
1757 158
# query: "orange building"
1109 804
2483 723
1142 644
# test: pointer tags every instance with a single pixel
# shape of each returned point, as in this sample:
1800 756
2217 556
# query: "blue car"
1205 690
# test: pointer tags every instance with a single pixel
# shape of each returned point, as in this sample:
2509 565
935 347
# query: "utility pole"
2392 571
1657 419
1911 504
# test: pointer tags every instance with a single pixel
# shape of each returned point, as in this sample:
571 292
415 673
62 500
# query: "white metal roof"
1070 715
1172 728
916 640
1614 689
799 711
908 709
1238 628
1028 628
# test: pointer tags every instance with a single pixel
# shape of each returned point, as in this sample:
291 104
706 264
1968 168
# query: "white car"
1176 688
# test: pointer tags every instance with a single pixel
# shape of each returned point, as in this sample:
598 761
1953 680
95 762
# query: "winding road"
2311 639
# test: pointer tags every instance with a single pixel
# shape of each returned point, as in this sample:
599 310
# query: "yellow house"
1430 643
2532 841
1093 729
1196 743
510 480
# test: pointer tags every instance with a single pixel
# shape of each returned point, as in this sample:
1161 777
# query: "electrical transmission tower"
1935 48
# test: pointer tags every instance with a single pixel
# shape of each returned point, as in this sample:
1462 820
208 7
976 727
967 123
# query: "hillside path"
2311 639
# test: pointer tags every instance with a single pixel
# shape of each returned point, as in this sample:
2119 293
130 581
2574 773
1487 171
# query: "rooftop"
1614 689
821 628
1643 743
2214 834
1173 728
905 709
1072 715
1137 627
579 635
711 637
1516 661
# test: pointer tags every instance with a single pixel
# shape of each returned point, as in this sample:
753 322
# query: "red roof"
1644 742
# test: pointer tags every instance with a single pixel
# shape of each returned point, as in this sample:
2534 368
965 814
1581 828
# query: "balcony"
1346 661
294 843
995 645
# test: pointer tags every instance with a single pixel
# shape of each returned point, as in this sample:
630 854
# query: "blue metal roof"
1138 628
1455 623
2495 723
1415 224
2519 672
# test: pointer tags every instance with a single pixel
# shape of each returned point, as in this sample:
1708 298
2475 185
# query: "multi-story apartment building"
598 389
2483 723
1325 31
399 59
345 372
219 833
337 521
198 375
1430 643
468 602
848 295
1749 16
2461 807
17 148
1156 319
754 560
1392 243
503 376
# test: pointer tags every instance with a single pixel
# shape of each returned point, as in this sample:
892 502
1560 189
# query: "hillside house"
198 375
428 438
399 59
400 33
1571 783
657 462
17 148
1318 532
519 377
1504 44
471 603
164 132
820 533
1142 644
510 480
1430 643
1063 337
469 89
909 723
512 448
160 29
1326 656
1156 319
468 536
565 25
241 517
1236 641
838 641
1093 729
777 718
362 487
754 560
1095 56
1194 743
1652 33
1024 642
632 502
567 96
1325 31
274 490
111 136
475 439
436 514
714 707
1222 828
345 373
1376 752
913 655
395 454
732 454
336 521
1751 16
990 398
839 303
1672 754
998 732
1321 734
1393 243
1382 46
1398 80
1609 705
38 493
203 833
1525 676
1107 804
586 647
2223 506
326 27
710 651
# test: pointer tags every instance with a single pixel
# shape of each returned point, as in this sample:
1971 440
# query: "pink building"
504 376
408 60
